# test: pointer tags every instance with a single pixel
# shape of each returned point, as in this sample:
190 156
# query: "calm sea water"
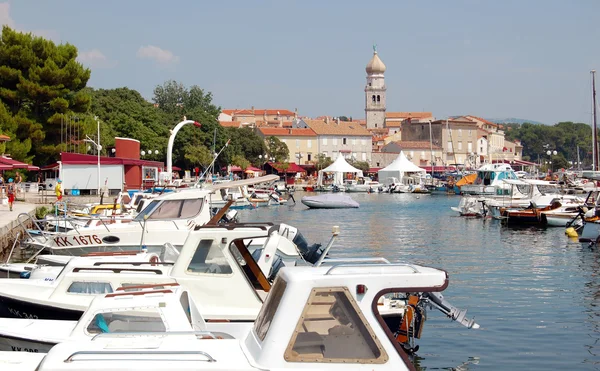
533 291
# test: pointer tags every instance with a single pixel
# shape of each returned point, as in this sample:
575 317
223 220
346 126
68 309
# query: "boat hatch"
130 320
332 329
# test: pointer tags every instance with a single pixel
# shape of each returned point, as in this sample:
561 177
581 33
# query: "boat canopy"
398 167
339 167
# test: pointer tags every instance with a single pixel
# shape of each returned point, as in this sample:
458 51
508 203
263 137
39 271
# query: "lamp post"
98 149
299 157
550 154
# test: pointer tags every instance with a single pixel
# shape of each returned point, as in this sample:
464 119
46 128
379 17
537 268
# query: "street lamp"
550 154
98 149
299 157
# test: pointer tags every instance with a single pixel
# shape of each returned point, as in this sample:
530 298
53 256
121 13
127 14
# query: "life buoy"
154 260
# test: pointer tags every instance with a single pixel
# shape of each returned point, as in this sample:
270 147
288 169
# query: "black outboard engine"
310 253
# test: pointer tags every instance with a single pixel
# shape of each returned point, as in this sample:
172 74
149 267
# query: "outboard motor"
310 253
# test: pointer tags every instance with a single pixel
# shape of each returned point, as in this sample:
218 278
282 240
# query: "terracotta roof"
258 112
285 132
333 128
4 138
230 124
405 115
480 119
406 144
393 124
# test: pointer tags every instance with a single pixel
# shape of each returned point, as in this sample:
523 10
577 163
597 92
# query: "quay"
28 203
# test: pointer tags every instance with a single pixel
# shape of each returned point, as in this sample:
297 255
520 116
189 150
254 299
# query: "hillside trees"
41 84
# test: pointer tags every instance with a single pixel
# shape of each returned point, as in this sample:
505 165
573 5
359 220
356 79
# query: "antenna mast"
594 127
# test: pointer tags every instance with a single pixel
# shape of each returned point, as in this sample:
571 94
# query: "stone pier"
9 226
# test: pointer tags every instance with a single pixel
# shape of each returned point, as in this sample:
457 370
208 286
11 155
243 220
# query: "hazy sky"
527 59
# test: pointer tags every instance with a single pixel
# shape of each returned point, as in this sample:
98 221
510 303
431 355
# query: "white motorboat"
489 181
365 185
49 266
166 219
214 259
325 318
141 309
329 201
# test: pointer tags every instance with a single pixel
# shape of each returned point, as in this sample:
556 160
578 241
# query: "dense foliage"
41 84
564 137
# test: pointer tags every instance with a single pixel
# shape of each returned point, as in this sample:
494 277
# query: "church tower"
375 92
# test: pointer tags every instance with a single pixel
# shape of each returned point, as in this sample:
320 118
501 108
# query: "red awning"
292 167
175 168
374 169
252 168
14 164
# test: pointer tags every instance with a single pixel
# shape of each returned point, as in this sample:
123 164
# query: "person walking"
58 190
10 192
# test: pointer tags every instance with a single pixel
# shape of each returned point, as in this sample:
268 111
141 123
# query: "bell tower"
375 92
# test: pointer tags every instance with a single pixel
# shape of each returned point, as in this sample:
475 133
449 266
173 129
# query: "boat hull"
15 308
15 344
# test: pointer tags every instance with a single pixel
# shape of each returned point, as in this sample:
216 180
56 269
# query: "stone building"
301 143
349 138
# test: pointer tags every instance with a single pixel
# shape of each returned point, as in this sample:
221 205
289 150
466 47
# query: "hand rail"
356 260
34 223
13 247
209 358
153 333
411 266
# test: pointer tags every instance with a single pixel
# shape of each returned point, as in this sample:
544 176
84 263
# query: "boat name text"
77 240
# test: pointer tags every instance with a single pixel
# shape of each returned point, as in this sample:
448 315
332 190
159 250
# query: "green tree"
175 101
125 113
323 161
240 161
41 84
277 149
361 165
199 155
246 143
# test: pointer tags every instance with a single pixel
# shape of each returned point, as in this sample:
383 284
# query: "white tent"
339 167
398 168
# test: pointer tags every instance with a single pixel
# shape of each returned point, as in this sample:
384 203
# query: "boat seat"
309 343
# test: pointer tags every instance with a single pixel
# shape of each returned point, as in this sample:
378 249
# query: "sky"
494 59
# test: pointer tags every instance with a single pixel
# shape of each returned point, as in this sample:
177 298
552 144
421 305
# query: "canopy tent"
398 168
339 167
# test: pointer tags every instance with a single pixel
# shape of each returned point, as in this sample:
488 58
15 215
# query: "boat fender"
154 260
571 232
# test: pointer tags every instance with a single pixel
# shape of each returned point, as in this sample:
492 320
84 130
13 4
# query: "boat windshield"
147 210
267 312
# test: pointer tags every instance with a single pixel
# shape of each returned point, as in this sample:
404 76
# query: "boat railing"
112 335
337 267
34 221
13 247
156 271
356 260
139 353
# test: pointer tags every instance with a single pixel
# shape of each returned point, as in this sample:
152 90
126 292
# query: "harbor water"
533 291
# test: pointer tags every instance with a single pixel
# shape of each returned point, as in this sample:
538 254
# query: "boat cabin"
213 260
315 317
